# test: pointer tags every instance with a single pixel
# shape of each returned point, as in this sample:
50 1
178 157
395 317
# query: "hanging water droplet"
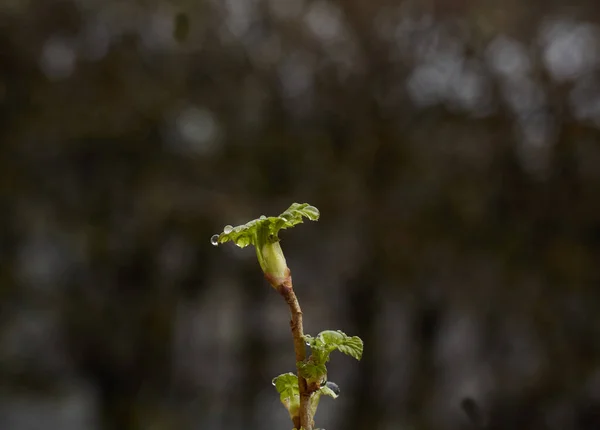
214 240
333 387
227 229
242 241
274 381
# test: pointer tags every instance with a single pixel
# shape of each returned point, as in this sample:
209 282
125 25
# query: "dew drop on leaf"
227 229
214 240
262 217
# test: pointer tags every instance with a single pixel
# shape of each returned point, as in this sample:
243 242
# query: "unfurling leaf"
312 372
257 231
289 393
329 340
352 346
263 234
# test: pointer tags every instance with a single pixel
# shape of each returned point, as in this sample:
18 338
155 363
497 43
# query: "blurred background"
452 146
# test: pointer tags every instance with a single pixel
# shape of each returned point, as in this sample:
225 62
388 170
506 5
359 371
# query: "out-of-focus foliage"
451 145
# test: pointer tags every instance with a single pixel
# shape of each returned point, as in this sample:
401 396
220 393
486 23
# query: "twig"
286 289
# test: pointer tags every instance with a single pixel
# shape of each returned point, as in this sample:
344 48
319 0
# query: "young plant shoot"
300 392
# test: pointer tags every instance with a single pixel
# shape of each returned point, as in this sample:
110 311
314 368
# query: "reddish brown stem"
285 288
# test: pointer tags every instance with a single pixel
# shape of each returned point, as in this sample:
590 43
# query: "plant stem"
286 289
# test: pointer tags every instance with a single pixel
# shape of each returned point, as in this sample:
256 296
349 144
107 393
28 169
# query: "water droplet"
227 229
214 240
333 387
242 241
263 217
274 381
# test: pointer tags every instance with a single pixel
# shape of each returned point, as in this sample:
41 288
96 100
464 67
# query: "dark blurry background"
452 146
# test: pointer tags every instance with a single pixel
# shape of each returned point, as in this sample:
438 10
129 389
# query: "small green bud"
272 262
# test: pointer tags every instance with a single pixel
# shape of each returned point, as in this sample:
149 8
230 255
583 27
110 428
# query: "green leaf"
309 340
331 340
257 231
319 354
286 385
289 393
312 372
293 215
